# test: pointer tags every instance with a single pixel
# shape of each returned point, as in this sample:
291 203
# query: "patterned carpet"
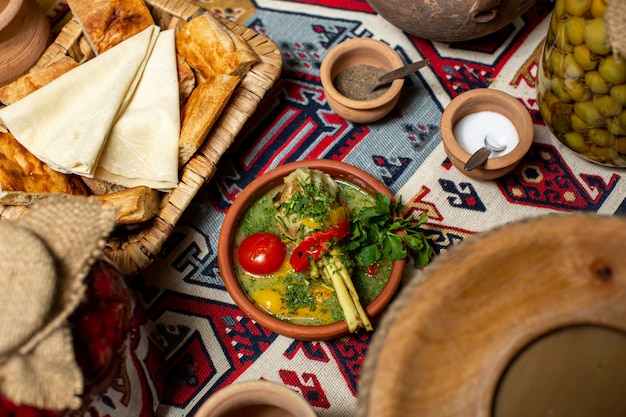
208 342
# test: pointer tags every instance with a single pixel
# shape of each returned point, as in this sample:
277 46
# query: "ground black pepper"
352 82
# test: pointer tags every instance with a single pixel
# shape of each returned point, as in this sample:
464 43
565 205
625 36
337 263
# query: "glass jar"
101 327
581 84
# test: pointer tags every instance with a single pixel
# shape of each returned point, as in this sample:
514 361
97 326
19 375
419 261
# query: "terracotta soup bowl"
227 251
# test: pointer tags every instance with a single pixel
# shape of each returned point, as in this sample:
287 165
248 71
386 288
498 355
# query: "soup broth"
295 297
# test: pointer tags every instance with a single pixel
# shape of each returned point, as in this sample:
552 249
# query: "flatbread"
202 109
66 122
211 49
186 78
142 147
24 178
107 23
35 79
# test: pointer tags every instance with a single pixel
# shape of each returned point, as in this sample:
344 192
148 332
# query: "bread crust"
106 23
21 171
202 109
211 49
35 79
186 78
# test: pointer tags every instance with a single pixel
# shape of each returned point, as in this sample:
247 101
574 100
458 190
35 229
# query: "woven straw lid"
615 26
44 258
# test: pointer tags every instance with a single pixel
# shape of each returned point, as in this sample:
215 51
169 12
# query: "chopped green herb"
311 202
297 295
385 230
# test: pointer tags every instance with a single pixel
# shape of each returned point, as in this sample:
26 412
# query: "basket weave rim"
137 250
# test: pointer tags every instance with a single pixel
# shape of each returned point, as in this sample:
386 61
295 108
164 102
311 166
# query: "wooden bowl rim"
471 383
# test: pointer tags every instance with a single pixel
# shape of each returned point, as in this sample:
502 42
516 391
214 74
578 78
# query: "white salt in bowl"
479 112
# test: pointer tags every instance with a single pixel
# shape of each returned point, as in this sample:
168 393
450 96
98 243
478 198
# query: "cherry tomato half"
261 253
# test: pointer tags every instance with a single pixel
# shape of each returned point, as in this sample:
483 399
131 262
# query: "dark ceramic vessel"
450 21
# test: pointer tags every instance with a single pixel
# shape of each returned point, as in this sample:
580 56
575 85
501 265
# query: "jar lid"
44 257
615 27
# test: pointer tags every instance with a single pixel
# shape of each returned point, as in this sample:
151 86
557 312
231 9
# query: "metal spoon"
397 73
480 156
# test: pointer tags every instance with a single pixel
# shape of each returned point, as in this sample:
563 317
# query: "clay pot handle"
484 11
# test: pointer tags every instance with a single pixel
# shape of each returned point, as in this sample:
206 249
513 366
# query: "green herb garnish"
311 201
385 231
297 295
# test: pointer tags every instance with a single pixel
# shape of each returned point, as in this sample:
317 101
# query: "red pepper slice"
315 244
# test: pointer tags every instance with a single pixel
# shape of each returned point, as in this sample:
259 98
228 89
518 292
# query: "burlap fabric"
44 258
615 27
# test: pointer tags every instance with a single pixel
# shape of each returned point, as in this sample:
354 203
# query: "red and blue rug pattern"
207 341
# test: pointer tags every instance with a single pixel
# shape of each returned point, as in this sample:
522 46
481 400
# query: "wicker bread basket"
133 251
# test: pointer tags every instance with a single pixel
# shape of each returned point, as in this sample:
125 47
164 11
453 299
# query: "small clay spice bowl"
491 103
359 59
256 398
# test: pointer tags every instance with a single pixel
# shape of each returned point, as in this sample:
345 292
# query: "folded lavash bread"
200 112
142 146
66 122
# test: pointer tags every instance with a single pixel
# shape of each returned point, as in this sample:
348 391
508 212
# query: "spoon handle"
477 159
402 71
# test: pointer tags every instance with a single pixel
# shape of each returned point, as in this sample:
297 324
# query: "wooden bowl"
351 53
259 398
479 100
226 248
446 345
24 35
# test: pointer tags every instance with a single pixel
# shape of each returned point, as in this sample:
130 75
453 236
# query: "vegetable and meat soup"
293 252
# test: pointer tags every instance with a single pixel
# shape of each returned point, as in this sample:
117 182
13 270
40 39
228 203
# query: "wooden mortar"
456 334
24 35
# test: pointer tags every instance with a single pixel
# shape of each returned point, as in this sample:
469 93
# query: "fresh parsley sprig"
384 230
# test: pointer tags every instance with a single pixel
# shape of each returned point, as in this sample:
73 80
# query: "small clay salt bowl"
481 112
259 398
350 55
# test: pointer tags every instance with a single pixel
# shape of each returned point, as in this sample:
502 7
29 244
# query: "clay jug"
24 35
450 21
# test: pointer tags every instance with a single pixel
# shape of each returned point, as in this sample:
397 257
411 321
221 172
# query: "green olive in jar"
596 83
585 58
598 7
613 70
588 112
581 85
575 30
618 92
613 126
577 7
595 36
